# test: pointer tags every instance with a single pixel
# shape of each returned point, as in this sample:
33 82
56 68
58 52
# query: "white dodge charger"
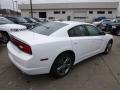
54 47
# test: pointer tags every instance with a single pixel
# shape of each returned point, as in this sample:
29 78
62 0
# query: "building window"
56 12
79 17
63 12
51 17
109 12
90 12
100 12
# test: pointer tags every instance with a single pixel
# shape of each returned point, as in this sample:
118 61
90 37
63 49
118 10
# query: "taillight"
22 46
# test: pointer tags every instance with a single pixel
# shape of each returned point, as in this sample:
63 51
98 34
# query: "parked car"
115 27
55 47
21 21
99 19
5 27
103 24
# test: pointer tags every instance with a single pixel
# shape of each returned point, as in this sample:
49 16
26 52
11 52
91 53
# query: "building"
8 12
83 11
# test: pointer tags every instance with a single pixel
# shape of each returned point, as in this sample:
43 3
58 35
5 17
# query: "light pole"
31 8
13 4
16 2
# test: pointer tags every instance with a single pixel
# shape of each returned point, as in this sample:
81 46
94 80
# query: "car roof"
72 22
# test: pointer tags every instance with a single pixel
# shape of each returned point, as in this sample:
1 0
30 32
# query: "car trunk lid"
29 37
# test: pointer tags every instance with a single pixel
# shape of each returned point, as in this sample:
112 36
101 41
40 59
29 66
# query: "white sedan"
55 47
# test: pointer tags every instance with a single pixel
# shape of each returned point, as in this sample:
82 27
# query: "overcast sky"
8 3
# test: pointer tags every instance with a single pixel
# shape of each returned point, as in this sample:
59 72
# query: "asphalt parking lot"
101 72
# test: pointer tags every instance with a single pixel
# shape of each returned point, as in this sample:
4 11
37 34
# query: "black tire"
62 65
108 47
5 37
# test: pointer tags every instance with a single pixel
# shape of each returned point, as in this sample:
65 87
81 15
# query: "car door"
97 39
80 41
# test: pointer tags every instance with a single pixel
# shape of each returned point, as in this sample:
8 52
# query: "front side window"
77 31
93 31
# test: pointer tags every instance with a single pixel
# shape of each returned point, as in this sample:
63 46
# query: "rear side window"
93 31
78 31
48 28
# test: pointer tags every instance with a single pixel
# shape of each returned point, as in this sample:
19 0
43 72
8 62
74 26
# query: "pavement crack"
110 70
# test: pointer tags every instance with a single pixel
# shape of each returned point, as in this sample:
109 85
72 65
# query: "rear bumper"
24 65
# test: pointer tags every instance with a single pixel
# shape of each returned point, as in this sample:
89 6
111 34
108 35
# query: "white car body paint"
8 27
51 46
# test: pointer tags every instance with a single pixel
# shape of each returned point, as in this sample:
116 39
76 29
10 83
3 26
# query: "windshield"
21 20
5 21
106 21
116 21
48 28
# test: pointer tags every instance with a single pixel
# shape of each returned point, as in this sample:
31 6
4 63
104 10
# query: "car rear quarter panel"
50 50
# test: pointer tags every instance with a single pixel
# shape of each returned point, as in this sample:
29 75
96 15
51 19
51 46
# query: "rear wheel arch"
67 51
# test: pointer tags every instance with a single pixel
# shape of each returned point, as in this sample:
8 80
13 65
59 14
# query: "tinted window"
77 31
37 19
12 19
5 21
21 20
117 20
48 28
93 31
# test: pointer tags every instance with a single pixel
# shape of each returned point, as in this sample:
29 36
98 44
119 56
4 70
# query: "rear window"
48 28
5 21
21 20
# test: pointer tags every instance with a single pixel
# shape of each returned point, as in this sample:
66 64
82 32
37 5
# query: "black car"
22 21
105 24
115 30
